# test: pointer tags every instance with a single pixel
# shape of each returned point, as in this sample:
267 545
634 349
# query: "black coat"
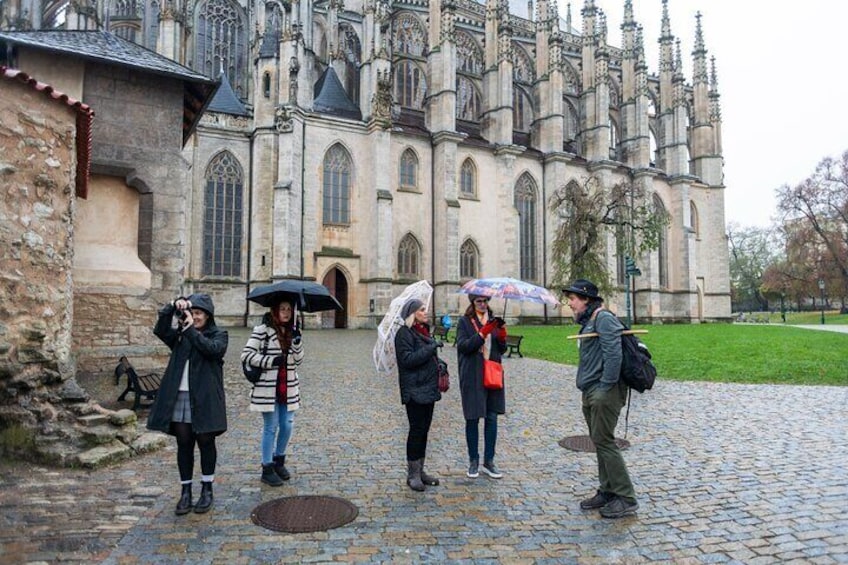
205 352
417 370
476 399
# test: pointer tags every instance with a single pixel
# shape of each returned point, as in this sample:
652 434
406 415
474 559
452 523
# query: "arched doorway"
337 283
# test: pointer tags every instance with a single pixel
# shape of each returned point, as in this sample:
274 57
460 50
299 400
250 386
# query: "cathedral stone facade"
371 143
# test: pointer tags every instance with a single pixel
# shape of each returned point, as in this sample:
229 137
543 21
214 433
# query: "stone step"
92 420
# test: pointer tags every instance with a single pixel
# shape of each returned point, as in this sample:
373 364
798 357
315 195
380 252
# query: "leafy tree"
590 214
752 250
816 210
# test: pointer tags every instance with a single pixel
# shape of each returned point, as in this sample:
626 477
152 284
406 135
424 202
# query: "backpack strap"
629 392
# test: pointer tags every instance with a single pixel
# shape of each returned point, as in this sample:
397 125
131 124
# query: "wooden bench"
442 333
142 386
513 345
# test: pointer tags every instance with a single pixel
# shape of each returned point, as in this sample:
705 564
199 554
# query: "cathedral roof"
225 99
331 98
104 47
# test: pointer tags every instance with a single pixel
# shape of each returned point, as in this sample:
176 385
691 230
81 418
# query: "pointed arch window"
522 110
221 43
410 85
469 260
613 139
352 49
468 179
151 25
409 253
338 172
222 216
571 121
523 70
409 170
694 220
662 248
467 99
410 37
525 202
468 54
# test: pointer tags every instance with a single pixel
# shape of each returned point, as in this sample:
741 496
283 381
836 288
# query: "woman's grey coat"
205 351
417 370
477 400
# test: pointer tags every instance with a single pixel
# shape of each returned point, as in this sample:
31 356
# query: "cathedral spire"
568 18
715 108
700 53
666 42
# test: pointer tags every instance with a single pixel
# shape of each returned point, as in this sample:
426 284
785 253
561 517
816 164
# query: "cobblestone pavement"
725 474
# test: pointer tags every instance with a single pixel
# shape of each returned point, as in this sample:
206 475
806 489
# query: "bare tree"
589 214
821 203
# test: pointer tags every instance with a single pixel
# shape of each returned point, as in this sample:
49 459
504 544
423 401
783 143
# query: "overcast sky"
782 81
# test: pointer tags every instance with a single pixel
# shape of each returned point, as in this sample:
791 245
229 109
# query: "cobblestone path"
725 474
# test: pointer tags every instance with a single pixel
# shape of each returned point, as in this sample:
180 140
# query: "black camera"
183 315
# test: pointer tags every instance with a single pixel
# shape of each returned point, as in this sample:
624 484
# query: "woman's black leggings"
420 417
186 438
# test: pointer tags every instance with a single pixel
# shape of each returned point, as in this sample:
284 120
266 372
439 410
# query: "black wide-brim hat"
583 287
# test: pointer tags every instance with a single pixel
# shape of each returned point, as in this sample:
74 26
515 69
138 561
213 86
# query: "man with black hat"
604 394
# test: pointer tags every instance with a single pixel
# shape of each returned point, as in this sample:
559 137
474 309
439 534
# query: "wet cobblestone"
725 474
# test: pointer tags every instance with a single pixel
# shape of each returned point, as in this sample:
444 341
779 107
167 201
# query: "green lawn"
830 317
766 353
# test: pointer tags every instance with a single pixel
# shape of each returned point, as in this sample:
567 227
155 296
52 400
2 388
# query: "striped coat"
263 394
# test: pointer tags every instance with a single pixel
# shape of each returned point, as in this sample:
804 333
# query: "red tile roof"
84 113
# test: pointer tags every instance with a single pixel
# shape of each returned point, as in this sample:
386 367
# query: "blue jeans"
276 432
490 436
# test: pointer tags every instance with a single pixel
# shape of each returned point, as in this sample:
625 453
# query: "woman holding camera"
480 336
190 404
419 387
276 346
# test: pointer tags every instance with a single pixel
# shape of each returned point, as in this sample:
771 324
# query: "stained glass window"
409 252
222 219
468 260
525 203
338 169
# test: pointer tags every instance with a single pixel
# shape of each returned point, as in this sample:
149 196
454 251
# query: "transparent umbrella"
384 350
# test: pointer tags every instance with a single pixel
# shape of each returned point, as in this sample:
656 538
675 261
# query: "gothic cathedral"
368 144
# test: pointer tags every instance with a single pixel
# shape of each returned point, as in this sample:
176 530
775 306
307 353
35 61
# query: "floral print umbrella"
509 289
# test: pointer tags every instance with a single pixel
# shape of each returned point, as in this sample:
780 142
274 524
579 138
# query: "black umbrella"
308 296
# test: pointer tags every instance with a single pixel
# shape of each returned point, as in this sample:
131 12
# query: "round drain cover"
298 514
585 443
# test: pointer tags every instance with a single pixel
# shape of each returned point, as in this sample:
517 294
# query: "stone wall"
37 148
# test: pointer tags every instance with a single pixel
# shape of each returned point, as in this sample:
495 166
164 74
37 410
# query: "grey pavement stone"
725 474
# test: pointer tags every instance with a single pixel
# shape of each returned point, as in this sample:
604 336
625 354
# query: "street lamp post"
821 288
630 271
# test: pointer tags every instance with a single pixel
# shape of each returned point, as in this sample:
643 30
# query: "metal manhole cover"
585 443
299 514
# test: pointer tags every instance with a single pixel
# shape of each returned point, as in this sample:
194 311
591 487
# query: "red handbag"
492 375
444 376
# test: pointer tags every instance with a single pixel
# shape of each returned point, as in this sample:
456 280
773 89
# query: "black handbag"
251 373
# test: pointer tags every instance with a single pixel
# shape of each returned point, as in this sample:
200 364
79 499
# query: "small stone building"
82 274
147 108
